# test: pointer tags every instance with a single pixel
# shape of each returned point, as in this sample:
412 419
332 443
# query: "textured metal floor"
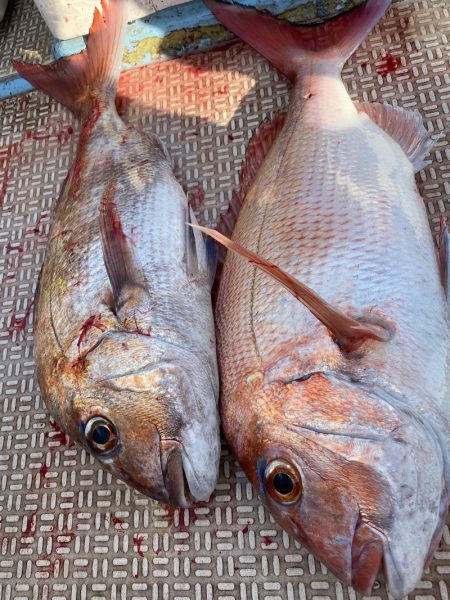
23 34
67 529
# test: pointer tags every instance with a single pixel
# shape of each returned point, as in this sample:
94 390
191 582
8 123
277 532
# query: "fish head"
357 480
148 413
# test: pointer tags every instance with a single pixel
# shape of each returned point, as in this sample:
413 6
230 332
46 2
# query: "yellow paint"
175 40
172 43
307 13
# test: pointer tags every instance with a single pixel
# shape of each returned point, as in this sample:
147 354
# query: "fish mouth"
175 481
367 555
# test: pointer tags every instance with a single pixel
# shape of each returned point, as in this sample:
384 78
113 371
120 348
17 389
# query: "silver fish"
337 407
124 331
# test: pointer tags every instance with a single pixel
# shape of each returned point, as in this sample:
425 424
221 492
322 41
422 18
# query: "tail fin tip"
287 45
97 68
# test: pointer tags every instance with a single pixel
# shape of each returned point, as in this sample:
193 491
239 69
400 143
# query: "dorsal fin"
257 150
347 333
404 126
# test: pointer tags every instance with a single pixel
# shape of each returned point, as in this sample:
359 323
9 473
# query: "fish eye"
101 434
283 482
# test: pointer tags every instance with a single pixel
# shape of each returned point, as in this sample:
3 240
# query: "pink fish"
335 384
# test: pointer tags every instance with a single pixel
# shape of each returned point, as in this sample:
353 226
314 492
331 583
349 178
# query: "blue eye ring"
101 435
283 482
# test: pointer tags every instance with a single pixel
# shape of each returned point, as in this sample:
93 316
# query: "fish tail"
289 46
91 75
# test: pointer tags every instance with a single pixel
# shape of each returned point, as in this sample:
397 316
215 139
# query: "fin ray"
348 333
74 80
286 46
404 126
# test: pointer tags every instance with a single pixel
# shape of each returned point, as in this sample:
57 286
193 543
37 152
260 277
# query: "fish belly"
120 165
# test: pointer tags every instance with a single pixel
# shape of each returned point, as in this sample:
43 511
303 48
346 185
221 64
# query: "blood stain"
245 530
196 197
59 436
388 65
119 522
10 248
38 225
17 149
19 324
138 539
223 89
109 208
31 526
92 321
230 137
43 471
195 70
267 540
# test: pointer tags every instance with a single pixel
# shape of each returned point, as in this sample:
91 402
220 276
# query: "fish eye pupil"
101 434
283 483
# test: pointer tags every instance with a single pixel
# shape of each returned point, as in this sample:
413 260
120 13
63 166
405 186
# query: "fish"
333 334
123 325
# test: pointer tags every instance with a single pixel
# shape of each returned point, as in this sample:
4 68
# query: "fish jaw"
367 555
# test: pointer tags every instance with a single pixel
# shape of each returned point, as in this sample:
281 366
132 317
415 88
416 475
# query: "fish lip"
174 477
368 547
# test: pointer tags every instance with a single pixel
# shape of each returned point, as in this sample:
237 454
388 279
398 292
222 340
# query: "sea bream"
335 384
124 331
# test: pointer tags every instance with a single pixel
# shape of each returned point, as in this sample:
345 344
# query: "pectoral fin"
117 252
201 258
444 256
347 332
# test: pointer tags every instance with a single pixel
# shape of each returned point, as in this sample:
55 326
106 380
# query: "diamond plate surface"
23 34
70 531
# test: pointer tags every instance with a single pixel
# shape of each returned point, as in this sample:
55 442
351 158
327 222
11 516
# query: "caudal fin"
287 46
93 73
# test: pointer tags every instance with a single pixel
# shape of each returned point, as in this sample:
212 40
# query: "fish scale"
333 335
124 330
313 228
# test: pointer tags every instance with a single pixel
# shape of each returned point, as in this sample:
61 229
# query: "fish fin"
444 256
93 73
201 258
404 126
257 150
116 245
347 333
287 45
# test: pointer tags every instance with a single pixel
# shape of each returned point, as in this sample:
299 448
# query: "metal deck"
70 531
